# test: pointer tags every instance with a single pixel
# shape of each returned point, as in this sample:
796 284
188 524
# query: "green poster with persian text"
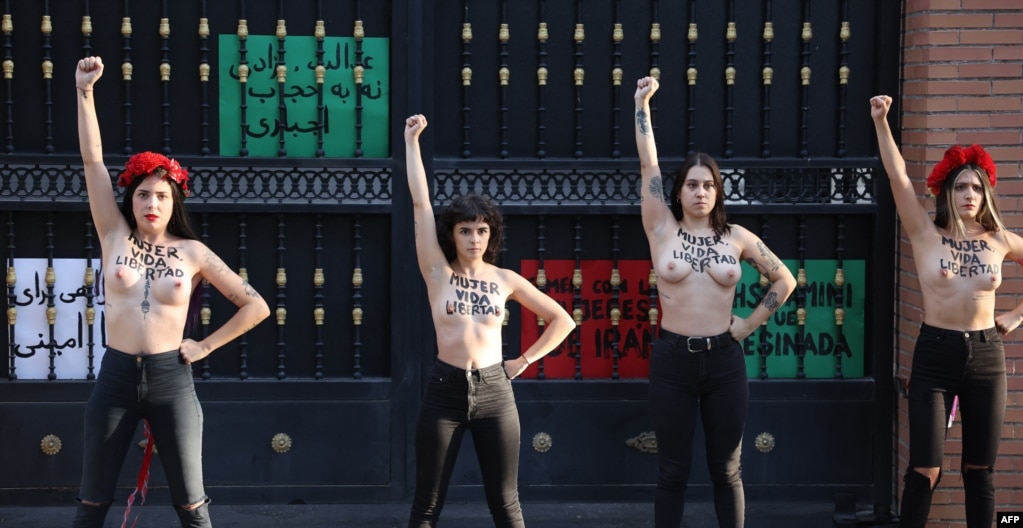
824 341
290 110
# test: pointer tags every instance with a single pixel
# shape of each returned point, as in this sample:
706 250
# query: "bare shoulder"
741 237
1012 238
203 257
507 274
512 280
753 250
521 290
195 249
1014 245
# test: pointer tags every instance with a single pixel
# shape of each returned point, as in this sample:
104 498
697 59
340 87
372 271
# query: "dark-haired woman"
153 264
959 350
698 367
469 386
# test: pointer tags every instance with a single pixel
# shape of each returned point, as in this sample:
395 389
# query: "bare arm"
251 307
558 323
105 214
657 217
428 250
914 216
1008 321
758 255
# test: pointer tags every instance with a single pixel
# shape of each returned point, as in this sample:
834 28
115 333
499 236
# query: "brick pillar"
963 64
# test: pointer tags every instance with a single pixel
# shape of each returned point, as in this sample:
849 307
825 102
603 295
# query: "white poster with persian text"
35 344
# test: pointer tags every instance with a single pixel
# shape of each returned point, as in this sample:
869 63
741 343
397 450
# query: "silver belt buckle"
689 344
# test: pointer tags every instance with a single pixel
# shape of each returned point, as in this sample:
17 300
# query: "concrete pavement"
456 515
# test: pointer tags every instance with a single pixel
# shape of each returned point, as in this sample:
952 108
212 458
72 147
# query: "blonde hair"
947 215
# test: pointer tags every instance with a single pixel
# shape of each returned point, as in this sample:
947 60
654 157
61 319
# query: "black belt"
697 344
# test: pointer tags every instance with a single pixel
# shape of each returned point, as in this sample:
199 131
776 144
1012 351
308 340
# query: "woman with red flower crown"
959 351
153 264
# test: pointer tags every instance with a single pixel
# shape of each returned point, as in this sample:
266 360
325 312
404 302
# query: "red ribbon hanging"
142 485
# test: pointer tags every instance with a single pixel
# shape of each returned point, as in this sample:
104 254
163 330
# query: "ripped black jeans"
480 401
160 389
946 364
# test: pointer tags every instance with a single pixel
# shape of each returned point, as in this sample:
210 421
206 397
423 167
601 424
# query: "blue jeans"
160 389
711 383
480 401
971 365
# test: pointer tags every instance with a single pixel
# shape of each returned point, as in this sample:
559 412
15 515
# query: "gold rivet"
50 444
542 442
281 443
764 442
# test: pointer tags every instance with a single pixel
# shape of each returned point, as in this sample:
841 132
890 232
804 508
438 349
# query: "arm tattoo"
771 301
772 261
249 290
216 265
657 188
644 126
753 262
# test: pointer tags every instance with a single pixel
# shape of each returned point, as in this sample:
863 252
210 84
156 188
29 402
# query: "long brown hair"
718 219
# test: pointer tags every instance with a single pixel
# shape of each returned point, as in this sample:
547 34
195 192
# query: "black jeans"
482 402
155 387
947 363
711 383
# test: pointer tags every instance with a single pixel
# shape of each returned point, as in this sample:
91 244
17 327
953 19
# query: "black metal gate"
288 115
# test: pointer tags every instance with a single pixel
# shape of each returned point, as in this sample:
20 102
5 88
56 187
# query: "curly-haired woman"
469 386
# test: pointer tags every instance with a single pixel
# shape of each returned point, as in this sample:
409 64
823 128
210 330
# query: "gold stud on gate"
764 442
50 444
542 442
281 443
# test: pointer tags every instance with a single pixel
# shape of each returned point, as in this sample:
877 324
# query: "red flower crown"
146 163
957 156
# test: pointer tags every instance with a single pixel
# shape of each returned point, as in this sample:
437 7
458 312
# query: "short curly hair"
469 208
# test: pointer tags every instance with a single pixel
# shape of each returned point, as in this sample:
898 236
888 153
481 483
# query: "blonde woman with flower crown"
153 264
959 351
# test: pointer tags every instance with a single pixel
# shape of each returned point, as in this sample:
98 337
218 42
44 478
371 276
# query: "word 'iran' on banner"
829 340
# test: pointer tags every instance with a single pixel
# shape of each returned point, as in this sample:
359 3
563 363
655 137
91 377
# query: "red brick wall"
963 83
